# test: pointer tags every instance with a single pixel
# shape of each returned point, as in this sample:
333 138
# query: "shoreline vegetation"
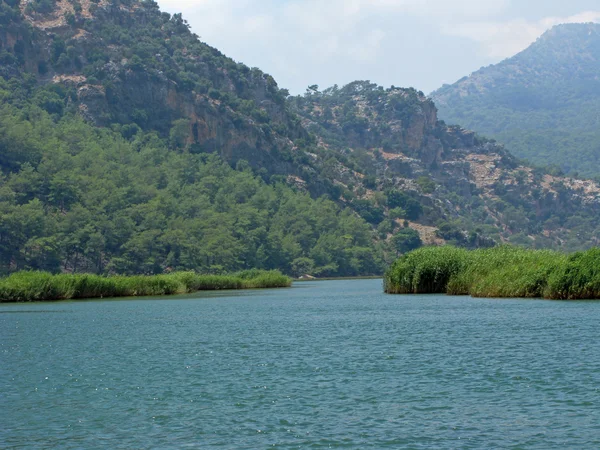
500 272
43 286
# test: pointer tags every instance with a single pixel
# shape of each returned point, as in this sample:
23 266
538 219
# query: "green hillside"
86 199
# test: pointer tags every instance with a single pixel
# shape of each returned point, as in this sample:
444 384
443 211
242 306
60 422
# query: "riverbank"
366 277
501 272
43 286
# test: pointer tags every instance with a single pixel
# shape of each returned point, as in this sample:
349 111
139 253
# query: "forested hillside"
78 198
110 119
543 104
129 146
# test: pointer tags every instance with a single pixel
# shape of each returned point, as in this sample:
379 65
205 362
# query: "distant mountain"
543 104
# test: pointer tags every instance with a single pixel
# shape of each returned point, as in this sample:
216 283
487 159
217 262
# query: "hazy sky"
419 43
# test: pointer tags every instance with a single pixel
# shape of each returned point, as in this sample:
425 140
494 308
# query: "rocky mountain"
126 63
390 148
543 104
127 145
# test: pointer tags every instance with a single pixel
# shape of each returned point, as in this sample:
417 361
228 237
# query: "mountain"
543 104
127 145
125 62
388 150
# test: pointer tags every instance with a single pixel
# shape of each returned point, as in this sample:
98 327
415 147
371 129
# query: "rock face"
394 141
229 108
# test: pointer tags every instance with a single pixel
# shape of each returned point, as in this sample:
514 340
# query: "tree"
302 266
406 240
179 134
400 199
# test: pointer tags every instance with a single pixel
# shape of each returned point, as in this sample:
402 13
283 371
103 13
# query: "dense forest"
543 103
79 198
139 195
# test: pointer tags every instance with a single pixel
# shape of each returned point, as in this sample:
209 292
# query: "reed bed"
499 272
43 286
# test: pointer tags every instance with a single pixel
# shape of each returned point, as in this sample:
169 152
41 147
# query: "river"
331 364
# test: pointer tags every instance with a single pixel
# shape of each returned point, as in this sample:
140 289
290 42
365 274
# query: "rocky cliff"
471 188
127 63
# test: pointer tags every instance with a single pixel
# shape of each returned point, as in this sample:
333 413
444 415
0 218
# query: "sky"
408 43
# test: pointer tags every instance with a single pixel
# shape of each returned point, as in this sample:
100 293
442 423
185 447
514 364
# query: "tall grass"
577 278
498 272
424 271
43 286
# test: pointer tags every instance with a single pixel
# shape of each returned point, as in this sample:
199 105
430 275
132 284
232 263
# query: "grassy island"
497 272
43 286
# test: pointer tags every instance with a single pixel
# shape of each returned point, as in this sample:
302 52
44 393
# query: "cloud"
403 42
500 40
319 15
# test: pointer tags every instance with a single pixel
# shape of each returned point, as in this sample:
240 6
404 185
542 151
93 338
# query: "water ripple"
327 365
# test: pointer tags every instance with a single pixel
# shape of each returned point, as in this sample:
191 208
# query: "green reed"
43 286
497 272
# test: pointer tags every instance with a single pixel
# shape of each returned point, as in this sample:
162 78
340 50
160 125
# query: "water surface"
322 365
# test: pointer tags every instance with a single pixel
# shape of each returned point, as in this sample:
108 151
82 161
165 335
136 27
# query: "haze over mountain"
129 146
543 103
418 43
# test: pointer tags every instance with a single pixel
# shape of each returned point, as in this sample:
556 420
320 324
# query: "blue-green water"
321 365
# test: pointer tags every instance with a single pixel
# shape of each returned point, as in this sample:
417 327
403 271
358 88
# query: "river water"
333 364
